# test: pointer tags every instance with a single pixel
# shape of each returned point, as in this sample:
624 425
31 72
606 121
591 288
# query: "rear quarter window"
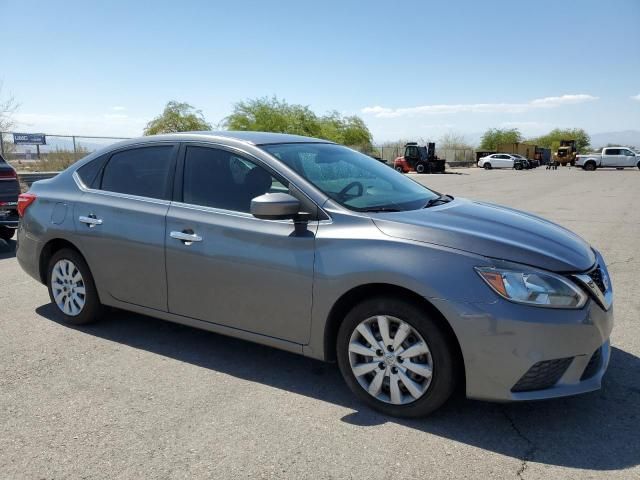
89 173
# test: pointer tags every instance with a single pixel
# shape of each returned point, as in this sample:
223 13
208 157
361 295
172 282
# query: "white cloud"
108 124
547 102
636 97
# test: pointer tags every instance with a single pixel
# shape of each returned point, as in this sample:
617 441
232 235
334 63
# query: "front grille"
596 276
593 366
542 375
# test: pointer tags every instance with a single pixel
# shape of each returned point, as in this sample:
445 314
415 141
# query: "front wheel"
420 168
396 358
518 166
71 288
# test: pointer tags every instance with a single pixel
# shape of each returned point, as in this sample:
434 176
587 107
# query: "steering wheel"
344 191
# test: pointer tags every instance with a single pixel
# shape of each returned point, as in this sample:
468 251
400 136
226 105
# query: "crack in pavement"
531 450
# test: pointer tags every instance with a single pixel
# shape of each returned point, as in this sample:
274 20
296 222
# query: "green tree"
552 139
499 136
177 117
275 115
453 141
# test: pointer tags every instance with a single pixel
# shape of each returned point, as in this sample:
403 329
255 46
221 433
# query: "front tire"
518 166
420 168
72 289
396 358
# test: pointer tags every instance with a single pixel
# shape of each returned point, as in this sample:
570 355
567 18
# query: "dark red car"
9 191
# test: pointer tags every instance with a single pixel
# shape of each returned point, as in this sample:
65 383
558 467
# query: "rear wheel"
638 165
6 233
487 166
590 166
420 168
71 288
396 358
399 169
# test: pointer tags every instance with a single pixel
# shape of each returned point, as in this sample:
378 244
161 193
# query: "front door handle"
90 220
186 236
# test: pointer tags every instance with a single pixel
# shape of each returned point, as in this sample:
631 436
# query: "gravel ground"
135 397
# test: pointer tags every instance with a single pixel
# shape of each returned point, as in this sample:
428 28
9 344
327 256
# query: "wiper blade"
438 200
380 209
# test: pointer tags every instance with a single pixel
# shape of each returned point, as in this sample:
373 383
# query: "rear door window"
143 171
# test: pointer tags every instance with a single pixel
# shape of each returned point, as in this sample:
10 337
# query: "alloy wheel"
68 287
390 360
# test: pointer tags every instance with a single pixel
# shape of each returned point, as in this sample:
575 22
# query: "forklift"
419 159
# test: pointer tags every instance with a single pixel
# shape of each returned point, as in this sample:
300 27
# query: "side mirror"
275 206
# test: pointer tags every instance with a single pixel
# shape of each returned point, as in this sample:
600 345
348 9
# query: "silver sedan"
311 247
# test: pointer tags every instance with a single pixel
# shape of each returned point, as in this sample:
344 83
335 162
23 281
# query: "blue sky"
413 69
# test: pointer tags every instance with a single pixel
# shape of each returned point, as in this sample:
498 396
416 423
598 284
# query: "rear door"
238 271
120 222
611 157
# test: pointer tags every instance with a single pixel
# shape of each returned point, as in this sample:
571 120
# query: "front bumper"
518 352
502 341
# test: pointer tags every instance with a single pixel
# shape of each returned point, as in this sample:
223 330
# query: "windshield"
356 181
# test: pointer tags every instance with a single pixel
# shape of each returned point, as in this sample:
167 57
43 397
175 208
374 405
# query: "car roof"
253 138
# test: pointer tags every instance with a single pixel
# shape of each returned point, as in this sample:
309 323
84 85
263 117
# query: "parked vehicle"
419 159
414 292
566 153
610 157
9 191
521 162
502 160
528 151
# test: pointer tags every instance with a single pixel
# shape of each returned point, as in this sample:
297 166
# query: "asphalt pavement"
135 397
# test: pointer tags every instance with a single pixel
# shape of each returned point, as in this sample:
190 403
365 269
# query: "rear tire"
6 233
638 165
487 166
416 395
590 166
399 169
72 289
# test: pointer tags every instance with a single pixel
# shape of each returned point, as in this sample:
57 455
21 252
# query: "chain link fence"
455 157
58 153
61 151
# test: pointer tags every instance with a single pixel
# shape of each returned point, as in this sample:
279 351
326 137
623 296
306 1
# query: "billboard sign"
29 139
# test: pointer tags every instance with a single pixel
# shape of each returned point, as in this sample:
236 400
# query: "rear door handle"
186 236
90 220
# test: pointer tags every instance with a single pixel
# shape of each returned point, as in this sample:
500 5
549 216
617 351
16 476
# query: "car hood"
492 231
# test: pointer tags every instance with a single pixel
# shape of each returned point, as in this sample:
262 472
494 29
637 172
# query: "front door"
226 266
120 225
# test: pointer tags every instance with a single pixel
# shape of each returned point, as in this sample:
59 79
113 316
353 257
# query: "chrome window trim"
107 193
235 213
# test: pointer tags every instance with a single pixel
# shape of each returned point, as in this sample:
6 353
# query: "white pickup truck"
611 157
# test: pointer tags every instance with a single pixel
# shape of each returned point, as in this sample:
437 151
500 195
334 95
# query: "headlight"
542 289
